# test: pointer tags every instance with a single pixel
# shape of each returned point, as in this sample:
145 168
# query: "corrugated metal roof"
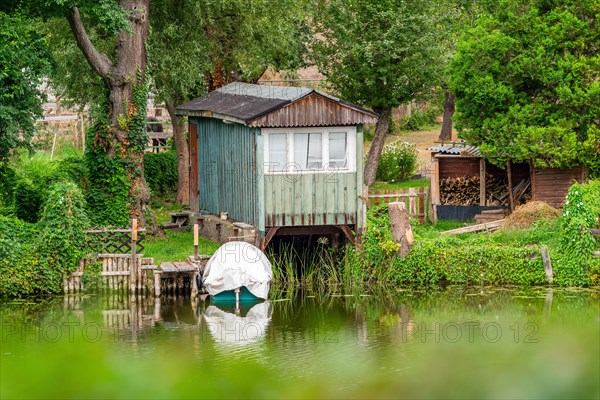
289 93
245 102
459 149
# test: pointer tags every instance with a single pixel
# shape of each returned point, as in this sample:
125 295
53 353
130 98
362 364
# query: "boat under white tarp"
236 265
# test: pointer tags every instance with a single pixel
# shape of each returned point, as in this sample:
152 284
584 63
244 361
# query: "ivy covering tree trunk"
118 189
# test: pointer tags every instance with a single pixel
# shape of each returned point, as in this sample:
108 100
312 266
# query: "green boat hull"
228 296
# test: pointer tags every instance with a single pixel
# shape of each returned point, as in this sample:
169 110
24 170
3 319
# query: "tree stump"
401 230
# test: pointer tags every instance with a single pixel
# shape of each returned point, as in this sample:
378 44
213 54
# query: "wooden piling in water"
133 266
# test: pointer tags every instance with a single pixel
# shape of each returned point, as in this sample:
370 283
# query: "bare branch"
100 62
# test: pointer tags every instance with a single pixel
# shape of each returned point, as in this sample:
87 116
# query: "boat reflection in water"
238 324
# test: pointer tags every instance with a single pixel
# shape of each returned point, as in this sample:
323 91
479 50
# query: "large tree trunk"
446 133
381 130
124 138
183 156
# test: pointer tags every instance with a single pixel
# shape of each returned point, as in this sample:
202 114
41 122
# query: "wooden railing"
417 200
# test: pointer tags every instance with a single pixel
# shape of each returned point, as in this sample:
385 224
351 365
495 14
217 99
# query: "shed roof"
461 149
253 105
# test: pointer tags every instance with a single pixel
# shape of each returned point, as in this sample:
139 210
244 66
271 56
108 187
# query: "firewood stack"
464 191
461 191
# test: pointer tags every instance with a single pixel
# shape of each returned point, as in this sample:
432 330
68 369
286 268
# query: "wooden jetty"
177 277
127 271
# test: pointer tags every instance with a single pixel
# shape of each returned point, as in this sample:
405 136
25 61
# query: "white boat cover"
226 327
237 264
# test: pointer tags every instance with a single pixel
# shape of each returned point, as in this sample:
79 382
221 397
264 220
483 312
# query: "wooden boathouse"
285 160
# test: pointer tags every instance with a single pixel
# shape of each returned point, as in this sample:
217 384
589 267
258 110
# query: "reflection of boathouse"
280 160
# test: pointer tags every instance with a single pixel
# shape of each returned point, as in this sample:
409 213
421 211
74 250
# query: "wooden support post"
157 276
196 258
194 284
435 189
133 265
270 233
547 263
421 212
511 195
401 229
482 182
348 233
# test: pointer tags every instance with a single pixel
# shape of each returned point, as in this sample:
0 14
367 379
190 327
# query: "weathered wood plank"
184 266
115 273
474 228
168 267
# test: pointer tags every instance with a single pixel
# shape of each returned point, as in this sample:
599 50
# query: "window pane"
307 151
300 150
337 150
314 151
277 151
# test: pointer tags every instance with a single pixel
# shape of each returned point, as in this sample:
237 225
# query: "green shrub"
8 181
27 201
34 259
30 179
160 170
574 259
398 162
420 118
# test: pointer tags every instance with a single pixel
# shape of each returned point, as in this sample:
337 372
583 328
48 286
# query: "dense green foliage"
160 170
479 260
34 259
575 264
24 61
398 162
30 178
526 83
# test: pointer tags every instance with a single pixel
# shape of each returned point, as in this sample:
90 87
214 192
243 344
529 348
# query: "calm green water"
445 343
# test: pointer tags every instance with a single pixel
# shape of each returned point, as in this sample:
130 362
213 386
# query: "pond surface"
453 342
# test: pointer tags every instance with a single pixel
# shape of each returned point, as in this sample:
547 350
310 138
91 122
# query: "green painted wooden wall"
328 198
228 179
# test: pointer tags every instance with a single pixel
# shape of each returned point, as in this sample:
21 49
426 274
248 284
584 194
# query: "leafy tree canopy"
24 61
527 83
380 53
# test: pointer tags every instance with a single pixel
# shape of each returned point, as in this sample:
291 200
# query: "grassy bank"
506 257
177 246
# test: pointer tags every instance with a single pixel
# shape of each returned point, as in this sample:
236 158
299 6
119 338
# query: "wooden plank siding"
314 110
311 199
456 166
194 197
228 170
552 184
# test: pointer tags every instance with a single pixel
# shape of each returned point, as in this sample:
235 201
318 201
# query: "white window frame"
292 168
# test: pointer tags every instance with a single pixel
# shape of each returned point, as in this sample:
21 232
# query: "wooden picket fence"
124 269
418 201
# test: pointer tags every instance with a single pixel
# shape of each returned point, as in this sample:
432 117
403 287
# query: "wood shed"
457 162
287 160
